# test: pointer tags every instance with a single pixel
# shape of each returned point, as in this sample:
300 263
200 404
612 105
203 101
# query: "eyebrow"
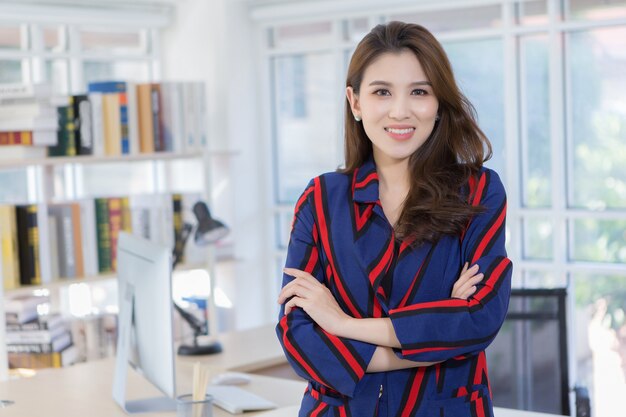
387 84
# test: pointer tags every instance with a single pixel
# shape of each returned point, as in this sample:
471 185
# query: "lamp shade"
209 230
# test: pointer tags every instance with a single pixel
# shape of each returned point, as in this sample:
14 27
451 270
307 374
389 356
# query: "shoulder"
330 182
485 184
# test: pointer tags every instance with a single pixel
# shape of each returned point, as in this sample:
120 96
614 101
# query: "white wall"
212 41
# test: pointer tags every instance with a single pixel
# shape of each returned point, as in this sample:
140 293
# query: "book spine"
77 239
157 122
83 125
28 238
177 204
115 224
9 247
56 345
125 140
103 235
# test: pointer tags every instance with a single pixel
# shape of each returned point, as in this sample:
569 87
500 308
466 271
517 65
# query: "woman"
396 277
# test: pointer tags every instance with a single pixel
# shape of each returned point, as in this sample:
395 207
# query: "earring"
357 118
437 118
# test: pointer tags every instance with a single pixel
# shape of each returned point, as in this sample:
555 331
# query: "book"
157 118
66 134
28 244
144 118
115 110
22 308
97 123
89 236
64 239
9 251
66 357
112 124
42 322
103 235
115 225
55 345
34 336
83 124
11 91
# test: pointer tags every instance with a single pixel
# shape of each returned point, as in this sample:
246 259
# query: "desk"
85 389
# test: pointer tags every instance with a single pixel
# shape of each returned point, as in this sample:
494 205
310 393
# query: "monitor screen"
145 328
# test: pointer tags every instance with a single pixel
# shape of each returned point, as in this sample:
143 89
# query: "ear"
353 99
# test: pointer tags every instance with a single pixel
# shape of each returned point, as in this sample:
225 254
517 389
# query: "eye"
419 92
382 92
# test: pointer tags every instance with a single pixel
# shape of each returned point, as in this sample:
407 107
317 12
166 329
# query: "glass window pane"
10 71
57 73
482 17
356 29
599 240
535 122
538 239
10 37
305 121
309 33
54 39
115 42
138 71
14 187
283 228
597 64
543 279
533 12
600 337
478 68
596 9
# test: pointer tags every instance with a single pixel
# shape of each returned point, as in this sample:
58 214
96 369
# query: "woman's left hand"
314 298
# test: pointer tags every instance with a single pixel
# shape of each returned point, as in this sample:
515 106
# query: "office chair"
528 360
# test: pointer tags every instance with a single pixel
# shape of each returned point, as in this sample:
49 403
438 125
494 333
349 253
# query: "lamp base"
193 350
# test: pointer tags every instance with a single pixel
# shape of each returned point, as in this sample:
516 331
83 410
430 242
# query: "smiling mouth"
400 131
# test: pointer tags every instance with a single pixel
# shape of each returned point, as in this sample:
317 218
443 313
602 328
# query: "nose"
399 109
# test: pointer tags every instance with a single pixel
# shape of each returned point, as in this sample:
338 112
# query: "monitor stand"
125 329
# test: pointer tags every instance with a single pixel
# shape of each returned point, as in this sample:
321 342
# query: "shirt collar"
365 183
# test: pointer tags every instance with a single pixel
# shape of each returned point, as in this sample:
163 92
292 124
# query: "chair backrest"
528 360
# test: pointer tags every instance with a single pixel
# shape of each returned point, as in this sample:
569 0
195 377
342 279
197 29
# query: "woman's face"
397 106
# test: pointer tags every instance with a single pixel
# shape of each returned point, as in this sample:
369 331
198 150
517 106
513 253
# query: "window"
546 78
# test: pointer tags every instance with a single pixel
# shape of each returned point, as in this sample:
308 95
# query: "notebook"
236 400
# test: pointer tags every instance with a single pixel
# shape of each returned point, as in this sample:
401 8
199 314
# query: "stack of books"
36 341
28 120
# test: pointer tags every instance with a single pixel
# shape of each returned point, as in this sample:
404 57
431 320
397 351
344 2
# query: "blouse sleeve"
445 329
316 355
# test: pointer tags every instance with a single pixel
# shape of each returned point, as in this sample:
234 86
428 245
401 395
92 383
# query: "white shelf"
90 159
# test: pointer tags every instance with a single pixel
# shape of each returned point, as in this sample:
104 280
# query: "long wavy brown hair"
455 150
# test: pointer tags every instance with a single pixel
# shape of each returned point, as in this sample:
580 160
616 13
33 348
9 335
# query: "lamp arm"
197 326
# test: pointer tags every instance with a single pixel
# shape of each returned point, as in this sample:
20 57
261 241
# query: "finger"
301 274
468 293
294 302
294 290
465 266
467 283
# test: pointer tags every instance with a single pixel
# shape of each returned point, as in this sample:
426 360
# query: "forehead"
395 67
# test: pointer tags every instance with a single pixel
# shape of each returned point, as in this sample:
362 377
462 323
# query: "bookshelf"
184 171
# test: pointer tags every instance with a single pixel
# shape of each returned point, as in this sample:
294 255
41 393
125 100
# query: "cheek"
426 109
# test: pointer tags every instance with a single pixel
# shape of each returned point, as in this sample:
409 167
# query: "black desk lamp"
208 231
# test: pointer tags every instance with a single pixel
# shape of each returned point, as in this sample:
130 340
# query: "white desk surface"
85 389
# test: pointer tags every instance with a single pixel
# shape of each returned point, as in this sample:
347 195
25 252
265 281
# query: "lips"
400 133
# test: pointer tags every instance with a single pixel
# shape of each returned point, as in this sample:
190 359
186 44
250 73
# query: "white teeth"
400 131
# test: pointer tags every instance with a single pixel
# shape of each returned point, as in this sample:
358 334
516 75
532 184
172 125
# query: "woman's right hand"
465 286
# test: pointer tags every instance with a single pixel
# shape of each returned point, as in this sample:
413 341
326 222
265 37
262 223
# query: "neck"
393 175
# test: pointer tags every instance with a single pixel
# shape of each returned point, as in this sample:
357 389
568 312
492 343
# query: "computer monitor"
145 328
